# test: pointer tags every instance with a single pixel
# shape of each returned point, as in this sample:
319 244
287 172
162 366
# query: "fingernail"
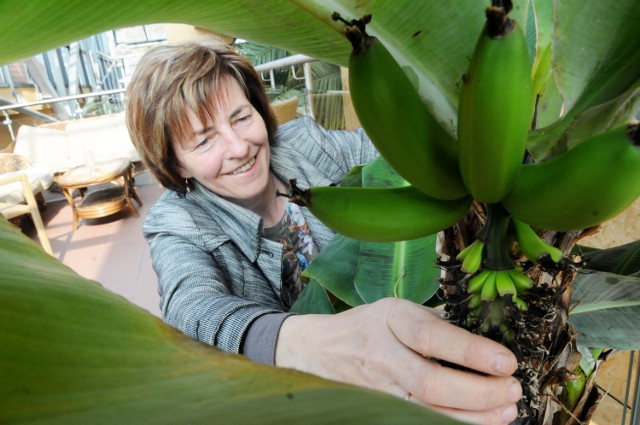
502 364
509 414
514 393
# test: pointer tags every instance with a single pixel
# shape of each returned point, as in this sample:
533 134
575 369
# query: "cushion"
105 137
40 178
43 147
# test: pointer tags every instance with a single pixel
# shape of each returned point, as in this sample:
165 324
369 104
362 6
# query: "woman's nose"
235 146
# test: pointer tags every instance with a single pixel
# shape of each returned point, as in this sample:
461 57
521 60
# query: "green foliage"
357 272
606 297
586 57
75 353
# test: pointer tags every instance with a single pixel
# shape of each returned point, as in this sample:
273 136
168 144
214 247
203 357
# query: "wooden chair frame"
11 210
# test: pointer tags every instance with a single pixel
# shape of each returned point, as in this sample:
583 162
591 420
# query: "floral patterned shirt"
298 250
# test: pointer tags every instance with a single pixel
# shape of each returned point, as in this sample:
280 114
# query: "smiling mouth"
243 168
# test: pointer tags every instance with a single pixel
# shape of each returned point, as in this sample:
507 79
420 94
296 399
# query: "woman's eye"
205 143
244 120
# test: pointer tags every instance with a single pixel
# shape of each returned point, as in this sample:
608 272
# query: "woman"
228 252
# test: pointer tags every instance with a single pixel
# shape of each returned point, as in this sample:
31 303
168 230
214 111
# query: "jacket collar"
243 226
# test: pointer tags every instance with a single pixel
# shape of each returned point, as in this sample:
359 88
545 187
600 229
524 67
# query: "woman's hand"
388 345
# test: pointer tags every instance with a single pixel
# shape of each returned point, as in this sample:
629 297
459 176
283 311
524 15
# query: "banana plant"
584 85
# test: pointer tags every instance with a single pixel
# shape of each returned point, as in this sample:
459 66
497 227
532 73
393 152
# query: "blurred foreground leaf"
72 352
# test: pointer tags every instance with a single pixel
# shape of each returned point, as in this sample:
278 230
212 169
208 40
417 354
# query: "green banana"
472 257
489 291
495 110
488 284
477 282
380 214
583 187
475 302
466 251
396 119
504 284
530 243
520 303
521 281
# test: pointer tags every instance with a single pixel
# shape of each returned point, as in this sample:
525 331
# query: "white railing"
290 61
22 107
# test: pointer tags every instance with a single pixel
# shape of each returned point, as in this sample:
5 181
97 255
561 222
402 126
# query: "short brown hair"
171 78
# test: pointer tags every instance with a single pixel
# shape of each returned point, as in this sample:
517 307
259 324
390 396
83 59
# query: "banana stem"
355 31
498 24
496 237
296 195
507 5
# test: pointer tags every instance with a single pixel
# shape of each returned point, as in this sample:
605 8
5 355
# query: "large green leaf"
74 353
549 101
433 39
314 299
334 269
596 51
605 310
596 61
363 272
401 269
39 25
574 129
594 47
623 260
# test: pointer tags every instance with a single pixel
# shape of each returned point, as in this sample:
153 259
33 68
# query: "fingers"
387 345
420 329
436 385
502 415
453 390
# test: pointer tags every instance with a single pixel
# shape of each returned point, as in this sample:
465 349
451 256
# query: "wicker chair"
12 210
10 163
285 110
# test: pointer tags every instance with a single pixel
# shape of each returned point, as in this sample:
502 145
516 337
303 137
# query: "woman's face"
230 153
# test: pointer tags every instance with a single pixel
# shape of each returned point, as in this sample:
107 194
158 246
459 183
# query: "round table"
101 202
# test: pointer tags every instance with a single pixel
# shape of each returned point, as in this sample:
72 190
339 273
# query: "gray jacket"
216 273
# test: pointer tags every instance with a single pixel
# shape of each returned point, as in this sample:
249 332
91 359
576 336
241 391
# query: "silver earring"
186 181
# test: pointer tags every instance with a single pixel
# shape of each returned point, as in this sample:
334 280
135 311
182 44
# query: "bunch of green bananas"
580 188
490 265
490 284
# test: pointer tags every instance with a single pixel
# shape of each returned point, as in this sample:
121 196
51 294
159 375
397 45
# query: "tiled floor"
617 403
110 250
